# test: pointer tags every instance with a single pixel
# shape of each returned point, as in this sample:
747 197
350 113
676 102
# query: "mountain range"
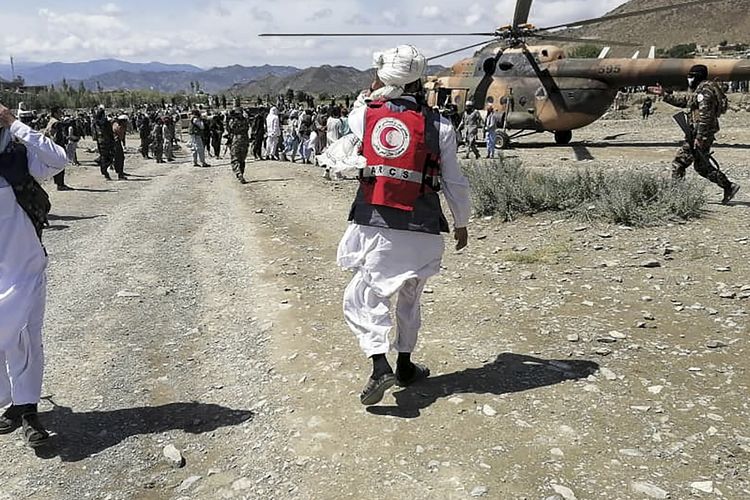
703 24
708 24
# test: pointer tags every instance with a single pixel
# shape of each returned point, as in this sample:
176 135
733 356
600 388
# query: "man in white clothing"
273 130
394 243
25 155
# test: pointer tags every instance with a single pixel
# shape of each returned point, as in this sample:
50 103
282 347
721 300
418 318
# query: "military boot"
730 192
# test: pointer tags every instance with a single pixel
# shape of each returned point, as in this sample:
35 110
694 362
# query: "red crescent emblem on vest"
390 138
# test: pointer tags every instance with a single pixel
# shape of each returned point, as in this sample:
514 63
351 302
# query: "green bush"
633 198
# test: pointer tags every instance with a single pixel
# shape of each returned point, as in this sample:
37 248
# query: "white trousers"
22 359
368 315
272 145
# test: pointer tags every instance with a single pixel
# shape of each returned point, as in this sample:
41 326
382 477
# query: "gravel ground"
569 360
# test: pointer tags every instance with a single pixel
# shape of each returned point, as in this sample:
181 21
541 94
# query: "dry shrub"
633 198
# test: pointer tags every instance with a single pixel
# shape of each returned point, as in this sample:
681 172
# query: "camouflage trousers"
238 155
705 169
168 150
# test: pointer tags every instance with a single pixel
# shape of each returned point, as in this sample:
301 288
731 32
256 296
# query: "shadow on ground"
81 435
508 373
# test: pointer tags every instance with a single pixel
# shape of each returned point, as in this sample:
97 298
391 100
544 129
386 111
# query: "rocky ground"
569 359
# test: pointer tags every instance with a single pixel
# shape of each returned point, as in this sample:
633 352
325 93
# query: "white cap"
400 66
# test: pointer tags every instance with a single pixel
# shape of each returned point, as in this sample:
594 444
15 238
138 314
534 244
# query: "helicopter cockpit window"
490 100
522 101
541 93
545 53
489 65
505 66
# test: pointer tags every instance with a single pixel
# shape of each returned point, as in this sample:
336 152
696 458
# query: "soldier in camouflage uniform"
157 140
169 133
105 139
704 105
237 127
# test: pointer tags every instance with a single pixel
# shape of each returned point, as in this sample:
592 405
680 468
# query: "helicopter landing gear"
502 141
563 137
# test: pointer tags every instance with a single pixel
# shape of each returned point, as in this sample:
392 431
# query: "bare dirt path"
562 367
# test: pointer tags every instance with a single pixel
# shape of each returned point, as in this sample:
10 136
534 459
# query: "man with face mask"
25 155
704 104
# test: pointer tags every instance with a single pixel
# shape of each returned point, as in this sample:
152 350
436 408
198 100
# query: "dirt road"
186 309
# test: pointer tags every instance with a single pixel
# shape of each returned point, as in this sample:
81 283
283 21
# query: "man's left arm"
707 110
454 184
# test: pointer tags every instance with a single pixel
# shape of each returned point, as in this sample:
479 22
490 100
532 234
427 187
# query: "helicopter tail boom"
667 72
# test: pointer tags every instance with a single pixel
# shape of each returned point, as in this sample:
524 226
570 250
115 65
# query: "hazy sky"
222 32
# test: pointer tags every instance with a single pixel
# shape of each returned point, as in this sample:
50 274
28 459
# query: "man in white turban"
393 243
24 155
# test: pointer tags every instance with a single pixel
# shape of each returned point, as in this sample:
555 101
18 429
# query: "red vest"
397 155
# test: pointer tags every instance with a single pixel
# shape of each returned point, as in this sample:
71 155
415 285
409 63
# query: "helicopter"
536 88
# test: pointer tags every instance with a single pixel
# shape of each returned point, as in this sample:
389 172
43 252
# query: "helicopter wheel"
563 137
502 141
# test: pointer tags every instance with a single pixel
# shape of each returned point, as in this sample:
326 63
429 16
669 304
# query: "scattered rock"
723 269
564 492
608 374
617 335
650 490
651 263
242 483
528 275
188 483
715 344
573 337
479 491
656 389
728 295
704 486
489 411
173 456
126 294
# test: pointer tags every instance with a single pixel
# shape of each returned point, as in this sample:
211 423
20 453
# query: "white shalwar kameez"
390 263
22 278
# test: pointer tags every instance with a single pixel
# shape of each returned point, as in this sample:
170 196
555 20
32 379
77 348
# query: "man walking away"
217 130
273 130
646 108
393 243
196 134
144 131
258 135
471 123
705 104
238 126
157 139
25 156
119 129
169 132
56 131
72 137
105 140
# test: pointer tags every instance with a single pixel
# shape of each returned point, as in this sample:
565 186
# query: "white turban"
397 68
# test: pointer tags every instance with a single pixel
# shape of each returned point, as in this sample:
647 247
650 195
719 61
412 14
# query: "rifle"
681 119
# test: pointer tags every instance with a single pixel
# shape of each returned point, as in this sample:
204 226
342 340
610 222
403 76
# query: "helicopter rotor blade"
624 15
432 58
321 35
566 39
521 15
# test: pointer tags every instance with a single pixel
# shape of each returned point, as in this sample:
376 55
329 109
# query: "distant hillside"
333 80
702 24
45 74
213 80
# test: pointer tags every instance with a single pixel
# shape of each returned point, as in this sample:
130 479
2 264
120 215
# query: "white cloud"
228 29
111 9
431 11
